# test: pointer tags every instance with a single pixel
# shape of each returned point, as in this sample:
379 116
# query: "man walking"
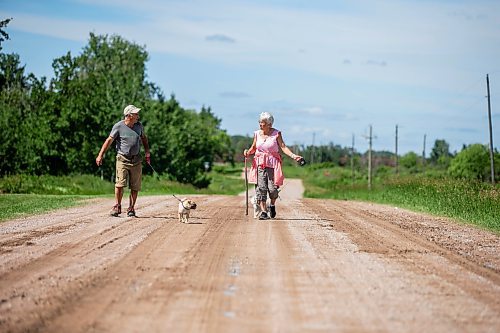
128 134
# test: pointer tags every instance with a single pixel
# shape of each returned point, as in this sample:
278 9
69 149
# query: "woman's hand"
295 157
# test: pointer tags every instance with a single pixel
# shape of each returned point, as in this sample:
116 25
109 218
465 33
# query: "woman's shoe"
272 210
263 216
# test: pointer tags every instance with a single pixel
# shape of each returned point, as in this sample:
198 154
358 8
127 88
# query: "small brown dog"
185 206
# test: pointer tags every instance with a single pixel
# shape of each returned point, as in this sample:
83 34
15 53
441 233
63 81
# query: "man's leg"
118 195
132 199
120 183
135 177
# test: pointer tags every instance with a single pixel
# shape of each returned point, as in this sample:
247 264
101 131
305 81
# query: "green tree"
59 129
440 154
4 35
409 161
473 162
238 144
26 137
91 91
183 140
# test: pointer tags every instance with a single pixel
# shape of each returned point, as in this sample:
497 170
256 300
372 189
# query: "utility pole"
397 165
312 149
370 160
352 160
370 137
423 153
492 157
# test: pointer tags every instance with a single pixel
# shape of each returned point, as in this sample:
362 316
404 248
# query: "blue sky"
326 70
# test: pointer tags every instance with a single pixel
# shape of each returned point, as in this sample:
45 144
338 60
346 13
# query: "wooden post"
397 161
246 187
312 149
370 160
352 160
492 155
423 153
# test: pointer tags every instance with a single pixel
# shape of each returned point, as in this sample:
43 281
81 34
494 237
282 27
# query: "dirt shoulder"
321 265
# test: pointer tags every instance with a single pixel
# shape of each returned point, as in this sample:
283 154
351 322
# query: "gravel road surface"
320 266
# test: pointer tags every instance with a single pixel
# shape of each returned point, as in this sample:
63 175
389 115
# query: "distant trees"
409 161
440 154
58 127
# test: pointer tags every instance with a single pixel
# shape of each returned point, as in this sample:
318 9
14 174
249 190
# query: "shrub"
471 163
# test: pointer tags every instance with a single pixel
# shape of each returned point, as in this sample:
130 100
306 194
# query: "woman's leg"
273 191
262 189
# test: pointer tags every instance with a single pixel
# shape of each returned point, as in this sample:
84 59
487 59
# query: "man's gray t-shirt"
128 140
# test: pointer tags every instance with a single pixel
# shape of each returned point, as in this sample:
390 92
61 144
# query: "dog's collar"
182 202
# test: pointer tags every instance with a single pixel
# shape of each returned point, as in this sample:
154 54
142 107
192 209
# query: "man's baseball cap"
129 109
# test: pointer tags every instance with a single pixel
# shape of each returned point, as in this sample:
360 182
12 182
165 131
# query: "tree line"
57 127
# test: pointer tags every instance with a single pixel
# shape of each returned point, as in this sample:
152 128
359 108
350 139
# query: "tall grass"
225 180
433 192
22 195
19 205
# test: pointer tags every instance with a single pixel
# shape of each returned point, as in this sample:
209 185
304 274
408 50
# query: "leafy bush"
409 161
471 163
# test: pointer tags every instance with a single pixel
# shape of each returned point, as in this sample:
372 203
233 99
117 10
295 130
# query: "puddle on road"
229 314
230 290
235 267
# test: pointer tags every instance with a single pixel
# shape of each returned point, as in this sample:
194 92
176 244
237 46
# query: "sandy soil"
320 266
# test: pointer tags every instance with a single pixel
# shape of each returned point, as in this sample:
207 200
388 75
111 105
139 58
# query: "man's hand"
148 158
98 160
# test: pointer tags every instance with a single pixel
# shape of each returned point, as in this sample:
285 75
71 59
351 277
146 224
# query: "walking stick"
246 187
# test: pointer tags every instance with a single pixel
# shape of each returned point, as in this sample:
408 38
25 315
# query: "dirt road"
320 266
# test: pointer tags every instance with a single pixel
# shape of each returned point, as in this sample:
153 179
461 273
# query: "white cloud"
409 42
363 52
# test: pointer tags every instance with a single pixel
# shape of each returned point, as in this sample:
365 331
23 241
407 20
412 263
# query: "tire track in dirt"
374 235
321 265
157 278
52 276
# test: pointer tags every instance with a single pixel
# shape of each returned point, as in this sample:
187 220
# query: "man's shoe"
272 210
263 216
116 210
130 212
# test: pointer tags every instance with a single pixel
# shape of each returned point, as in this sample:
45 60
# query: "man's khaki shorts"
129 171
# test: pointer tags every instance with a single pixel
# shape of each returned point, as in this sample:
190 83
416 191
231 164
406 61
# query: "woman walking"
266 171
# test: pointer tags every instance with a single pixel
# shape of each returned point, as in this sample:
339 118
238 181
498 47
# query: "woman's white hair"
266 117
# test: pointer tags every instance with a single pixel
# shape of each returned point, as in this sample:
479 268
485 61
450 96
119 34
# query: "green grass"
23 195
19 205
434 192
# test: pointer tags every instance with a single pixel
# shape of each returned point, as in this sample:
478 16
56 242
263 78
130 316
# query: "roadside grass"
433 192
20 205
22 195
